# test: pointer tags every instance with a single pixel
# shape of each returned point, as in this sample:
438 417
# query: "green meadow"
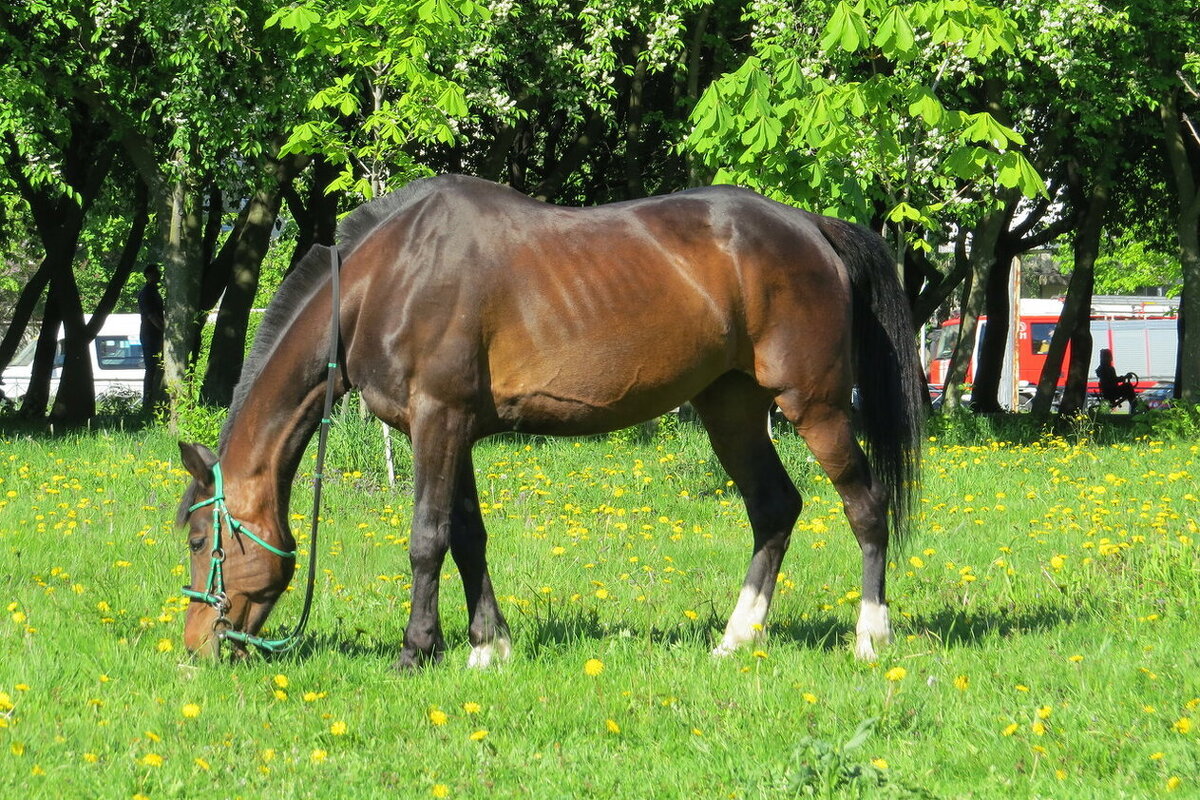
1046 609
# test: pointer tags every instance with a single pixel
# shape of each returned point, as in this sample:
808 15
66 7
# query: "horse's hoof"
416 659
490 653
723 650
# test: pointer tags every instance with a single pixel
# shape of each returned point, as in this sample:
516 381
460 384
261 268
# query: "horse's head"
241 560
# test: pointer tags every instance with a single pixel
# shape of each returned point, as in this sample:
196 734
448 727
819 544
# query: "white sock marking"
873 628
484 655
746 623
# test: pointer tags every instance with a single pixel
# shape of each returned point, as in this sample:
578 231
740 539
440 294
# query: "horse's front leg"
487 629
441 447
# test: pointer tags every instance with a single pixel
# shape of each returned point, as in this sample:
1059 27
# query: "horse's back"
580 319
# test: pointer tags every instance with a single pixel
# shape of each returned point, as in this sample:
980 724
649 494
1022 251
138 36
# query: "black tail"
887 367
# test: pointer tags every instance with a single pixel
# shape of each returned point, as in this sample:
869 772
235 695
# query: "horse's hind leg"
468 545
830 437
734 410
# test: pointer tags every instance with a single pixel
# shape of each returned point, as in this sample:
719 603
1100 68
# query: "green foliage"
818 768
855 121
394 84
195 420
1179 423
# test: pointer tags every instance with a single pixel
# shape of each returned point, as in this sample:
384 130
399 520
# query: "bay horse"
468 309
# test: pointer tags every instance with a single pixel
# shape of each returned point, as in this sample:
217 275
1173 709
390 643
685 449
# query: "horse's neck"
267 438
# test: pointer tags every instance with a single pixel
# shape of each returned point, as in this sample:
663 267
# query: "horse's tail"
887 368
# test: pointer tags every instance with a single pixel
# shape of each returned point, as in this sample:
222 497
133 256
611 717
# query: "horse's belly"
600 390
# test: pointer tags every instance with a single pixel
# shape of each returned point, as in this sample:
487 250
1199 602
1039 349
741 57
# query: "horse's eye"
196 545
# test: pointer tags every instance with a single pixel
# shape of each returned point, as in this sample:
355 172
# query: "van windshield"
946 342
112 352
24 356
118 352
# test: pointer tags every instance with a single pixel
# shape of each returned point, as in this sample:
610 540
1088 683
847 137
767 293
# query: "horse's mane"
311 273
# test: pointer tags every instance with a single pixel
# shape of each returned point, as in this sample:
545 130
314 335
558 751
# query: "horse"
468 309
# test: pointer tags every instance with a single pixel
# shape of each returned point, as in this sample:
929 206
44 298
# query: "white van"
116 352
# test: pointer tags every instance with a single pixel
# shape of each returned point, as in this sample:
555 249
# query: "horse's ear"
198 460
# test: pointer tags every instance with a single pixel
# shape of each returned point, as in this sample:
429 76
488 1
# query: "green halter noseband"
214 590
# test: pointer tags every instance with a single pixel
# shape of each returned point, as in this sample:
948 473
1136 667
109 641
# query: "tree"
846 109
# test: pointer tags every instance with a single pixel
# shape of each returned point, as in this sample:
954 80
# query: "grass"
1046 619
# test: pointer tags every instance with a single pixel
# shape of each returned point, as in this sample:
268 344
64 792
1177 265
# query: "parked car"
116 352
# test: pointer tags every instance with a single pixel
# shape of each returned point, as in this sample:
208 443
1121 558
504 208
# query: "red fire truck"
1141 332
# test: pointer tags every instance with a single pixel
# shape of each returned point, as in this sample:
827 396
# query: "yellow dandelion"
339 728
612 726
318 755
690 614
1039 728
1011 729
439 790
190 710
472 708
1157 756
17 748
1075 659
1183 725
809 698
896 674
479 735
91 758
437 716
165 646
1044 712
280 694
152 760
1173 783
760 653
202 764
281 681
879 763
916 562
962 683
593 667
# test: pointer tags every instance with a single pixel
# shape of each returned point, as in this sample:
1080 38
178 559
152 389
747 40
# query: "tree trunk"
994 343
180 230
125 264
635 148
1074 324
982 252
316 218
31 292
1183 159
37 394
59 218
253 238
